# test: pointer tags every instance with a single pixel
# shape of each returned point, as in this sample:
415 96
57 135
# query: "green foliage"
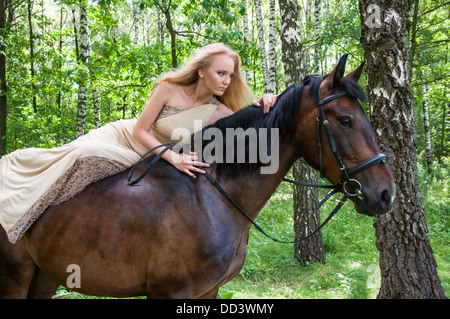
431 69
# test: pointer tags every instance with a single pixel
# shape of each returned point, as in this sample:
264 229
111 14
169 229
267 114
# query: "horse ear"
357 73
336 75
340 69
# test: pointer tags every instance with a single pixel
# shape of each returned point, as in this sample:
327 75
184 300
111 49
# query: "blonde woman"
208 88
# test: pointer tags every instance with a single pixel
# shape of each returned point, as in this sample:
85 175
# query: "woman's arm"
141 132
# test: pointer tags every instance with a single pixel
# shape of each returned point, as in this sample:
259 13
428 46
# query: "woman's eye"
221 73
345 121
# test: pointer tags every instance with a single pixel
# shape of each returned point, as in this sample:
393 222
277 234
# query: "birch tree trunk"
75 33
407 264
291 44
317 47
444 113
59 64
4 5
248 73
96 102
137 13
262 46
31 39
84 56
426 129
306 217
273 78
160 27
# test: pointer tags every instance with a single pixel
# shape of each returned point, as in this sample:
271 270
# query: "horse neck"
252 190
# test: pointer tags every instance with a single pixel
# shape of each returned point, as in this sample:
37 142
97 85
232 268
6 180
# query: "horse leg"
16 268
41 287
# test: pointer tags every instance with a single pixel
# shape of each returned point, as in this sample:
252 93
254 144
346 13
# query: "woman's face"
218 76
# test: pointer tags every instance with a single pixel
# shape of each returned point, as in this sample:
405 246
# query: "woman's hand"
269 101
187 163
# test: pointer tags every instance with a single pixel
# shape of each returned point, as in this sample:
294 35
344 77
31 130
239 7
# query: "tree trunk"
248 72
160 28
412 50
96 102
59 64
75 34
4 4
262 47
84 56
306 216
173 35
426 130
444 114
273 78
291 44
407 265
137 13
316 36
32 70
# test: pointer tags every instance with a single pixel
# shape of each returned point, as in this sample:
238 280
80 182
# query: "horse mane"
279 117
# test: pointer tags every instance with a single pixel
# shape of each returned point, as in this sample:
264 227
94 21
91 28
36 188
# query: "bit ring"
358 189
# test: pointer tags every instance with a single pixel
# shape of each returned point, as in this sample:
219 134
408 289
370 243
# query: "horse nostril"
387 198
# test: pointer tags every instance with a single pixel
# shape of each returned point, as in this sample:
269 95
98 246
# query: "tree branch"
434 42
431 81
434 9
183 34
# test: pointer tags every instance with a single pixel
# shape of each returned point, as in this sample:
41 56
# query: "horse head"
349 156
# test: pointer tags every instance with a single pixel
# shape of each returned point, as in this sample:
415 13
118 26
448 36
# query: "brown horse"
178 237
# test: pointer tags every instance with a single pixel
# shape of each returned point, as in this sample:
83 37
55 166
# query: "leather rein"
344 180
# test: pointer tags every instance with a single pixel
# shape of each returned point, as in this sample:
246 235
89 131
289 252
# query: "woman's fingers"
188 163
268 101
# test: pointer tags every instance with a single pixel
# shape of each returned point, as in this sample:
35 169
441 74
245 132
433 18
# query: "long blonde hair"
236 96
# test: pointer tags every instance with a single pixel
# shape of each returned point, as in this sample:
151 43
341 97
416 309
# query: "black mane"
279 117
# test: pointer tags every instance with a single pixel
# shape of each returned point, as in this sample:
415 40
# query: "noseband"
343 184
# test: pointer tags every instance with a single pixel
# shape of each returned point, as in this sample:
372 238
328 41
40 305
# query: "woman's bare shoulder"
221 111
166 87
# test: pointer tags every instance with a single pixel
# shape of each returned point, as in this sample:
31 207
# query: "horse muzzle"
374 202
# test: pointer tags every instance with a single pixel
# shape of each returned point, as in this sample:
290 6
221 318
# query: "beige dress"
31 180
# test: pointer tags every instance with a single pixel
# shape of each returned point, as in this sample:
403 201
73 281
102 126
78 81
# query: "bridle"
346 175
345 178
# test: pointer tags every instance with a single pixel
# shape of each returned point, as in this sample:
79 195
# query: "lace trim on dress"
83 172
167 110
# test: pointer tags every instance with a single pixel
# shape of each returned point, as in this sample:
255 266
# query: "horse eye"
345 121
